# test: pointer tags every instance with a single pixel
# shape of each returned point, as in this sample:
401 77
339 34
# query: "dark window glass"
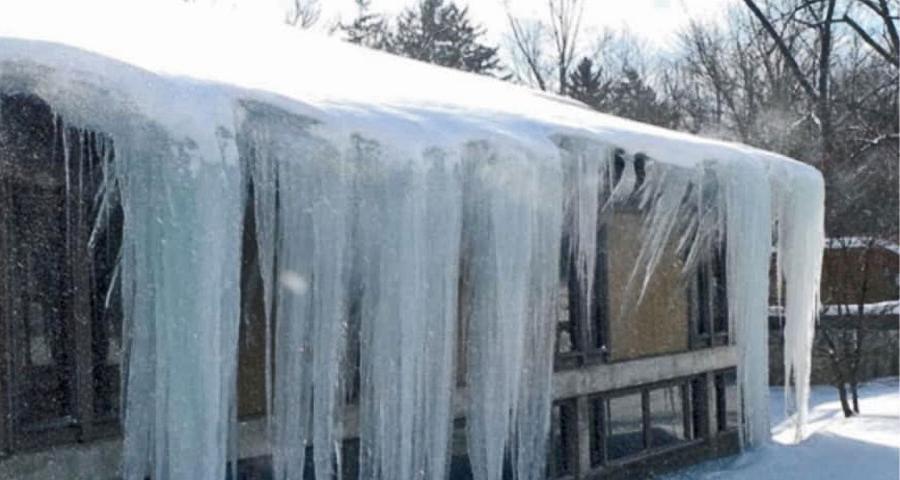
563 431
726 400
667 416
699 409
598 432
579 331
719 291
625 426
710 302
59 292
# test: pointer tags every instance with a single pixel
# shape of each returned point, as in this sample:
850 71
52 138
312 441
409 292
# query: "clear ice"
397 216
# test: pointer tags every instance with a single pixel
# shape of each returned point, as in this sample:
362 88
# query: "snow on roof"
175 63
837 243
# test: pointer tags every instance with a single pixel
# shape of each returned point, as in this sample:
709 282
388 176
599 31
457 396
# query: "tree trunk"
855 394
845 406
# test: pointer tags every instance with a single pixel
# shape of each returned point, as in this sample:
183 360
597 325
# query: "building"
305 272
860 300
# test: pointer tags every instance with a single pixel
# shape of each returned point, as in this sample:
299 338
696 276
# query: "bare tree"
303 13
562 29
820 17
853 316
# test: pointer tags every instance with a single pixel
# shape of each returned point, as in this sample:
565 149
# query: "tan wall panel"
659 323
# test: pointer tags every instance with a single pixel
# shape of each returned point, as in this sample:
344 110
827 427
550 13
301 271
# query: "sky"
654 21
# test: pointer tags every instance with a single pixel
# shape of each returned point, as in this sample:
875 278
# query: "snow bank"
837 448
431 198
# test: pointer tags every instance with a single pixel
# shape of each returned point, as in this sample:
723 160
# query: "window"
699 407
581 335
726 400
710 302
563 438
668 422
60 309
627 425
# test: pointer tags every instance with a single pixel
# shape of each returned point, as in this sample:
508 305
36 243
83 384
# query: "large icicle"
801 240
747 218
182 233
408 236
512 209
586 175
311 214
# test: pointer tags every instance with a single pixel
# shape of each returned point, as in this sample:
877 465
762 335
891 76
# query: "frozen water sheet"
410 209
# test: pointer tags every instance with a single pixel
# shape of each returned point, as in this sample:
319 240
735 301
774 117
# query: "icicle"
264 176
801 240
302 192
181 243
511 210
747 203
408 236
535 390
585 167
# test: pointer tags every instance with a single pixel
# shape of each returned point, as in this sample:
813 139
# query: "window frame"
708 303
599 457
86 149
722 425
570 439
590 334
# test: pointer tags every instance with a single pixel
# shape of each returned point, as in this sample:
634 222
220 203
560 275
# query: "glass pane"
565 318
562 430
106 329
727 400
625 428
597 431
36 266
59 258
666 416
720 290
699 408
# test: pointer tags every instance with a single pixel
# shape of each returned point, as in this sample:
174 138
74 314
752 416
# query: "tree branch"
892 59
528 50
782 47
891 28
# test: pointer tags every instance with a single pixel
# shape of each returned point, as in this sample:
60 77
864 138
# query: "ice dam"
404 209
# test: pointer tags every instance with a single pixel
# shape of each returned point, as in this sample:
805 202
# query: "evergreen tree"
444 34
432 31
368 29
588 85
633 98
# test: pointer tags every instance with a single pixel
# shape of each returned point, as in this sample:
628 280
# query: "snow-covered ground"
866 447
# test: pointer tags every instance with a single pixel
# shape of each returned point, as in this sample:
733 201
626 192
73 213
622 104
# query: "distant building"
860 288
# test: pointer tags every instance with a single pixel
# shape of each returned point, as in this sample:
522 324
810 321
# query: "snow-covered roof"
172 84
837 243
175 63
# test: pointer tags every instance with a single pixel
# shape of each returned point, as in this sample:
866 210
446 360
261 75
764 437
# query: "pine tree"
431 31
368 29
444 34
635 99
588 85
